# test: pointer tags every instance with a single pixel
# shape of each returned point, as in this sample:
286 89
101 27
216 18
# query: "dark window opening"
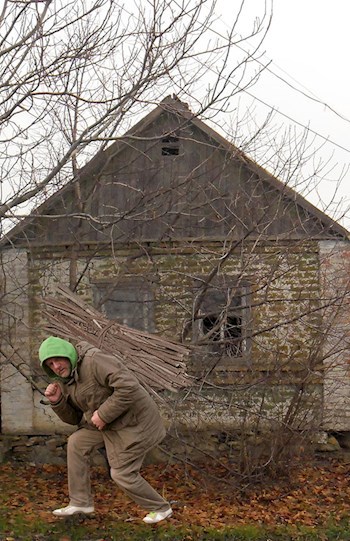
228 334
223 318
170 146
169 151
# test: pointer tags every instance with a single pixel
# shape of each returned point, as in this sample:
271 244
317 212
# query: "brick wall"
16 393
335 283
287 281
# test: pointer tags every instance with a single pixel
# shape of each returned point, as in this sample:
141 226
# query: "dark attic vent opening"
170 146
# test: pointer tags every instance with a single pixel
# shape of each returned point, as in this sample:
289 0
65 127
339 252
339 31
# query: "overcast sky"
308 44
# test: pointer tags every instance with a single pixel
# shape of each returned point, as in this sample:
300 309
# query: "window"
223 316
129 302
170 146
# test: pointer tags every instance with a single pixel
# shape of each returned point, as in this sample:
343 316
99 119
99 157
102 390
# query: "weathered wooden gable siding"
205 192
137 193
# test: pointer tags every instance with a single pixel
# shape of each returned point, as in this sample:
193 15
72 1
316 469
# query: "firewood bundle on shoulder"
158 363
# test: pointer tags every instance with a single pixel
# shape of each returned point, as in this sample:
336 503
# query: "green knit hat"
56 347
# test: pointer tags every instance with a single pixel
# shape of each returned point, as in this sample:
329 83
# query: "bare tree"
74 78
74 75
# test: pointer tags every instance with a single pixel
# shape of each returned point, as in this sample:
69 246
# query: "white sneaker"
72 510
157 516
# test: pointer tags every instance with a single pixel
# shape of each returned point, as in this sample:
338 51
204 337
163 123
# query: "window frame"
145 298
210 353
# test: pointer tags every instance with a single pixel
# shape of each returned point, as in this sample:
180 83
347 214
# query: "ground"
204 496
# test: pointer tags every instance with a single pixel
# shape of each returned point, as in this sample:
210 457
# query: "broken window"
130 303
222 318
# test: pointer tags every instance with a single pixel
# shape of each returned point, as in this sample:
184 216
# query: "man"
95 391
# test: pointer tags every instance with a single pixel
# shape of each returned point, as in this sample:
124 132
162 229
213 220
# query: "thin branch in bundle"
158 363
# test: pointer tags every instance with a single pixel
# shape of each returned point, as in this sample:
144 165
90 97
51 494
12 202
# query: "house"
175 231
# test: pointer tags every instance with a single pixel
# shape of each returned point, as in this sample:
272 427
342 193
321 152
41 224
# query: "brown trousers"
80 445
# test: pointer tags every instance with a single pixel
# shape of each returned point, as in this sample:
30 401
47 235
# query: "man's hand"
97 421
53 392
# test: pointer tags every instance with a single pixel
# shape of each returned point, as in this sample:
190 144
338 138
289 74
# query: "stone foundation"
51 449
38 450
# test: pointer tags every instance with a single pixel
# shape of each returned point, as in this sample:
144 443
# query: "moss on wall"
284 282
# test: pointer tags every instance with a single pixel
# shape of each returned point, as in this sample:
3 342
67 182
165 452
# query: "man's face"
60 366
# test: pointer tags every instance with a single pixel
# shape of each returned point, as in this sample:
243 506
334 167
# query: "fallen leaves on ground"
318 491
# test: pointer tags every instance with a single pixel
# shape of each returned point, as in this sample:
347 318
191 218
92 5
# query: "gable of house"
172 178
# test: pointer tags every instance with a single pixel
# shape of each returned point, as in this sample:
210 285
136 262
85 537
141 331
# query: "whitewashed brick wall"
335 280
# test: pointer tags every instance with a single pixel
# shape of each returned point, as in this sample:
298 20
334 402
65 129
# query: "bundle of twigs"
158 363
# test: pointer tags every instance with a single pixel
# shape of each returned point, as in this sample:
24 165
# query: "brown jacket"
101 382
